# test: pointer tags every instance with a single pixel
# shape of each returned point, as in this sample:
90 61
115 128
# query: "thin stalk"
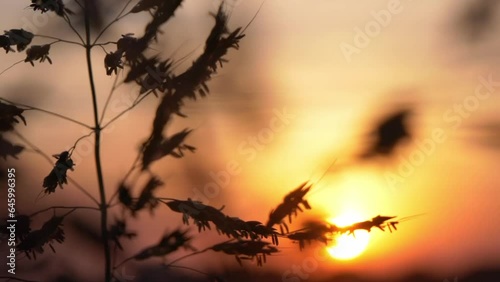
12 278
27 107
111 92
62 207
136 102
68 20
72 149
97 149
118 17
13 65
59 40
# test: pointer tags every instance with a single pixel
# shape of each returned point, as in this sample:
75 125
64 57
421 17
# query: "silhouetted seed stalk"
248 239
34 241
154 76
203 215
289 207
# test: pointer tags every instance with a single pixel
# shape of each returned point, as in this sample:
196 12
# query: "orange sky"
292 59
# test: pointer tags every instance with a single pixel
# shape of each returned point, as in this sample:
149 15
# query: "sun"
345 246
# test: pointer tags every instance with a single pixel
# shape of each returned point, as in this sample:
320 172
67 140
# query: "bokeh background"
338 68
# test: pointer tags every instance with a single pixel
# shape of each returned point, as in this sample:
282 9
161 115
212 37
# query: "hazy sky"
335 67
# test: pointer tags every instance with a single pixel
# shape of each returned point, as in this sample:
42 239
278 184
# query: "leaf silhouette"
160 147
57 176
477 19
124 196
37 52
9 115
34 242
22 227
245 249
5 43
313 231
56 6
388 134
168 244
119 230
131 48
9 149
147 5
216 47
113 62
164 10
147 199
290 205
186 85
234 227
19 37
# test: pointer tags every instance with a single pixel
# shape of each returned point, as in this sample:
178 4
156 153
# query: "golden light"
345 246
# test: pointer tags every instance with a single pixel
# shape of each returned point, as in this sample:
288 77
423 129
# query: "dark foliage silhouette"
34 242
37 52
9 115
388 134
57 176
56 6
248 239
478 19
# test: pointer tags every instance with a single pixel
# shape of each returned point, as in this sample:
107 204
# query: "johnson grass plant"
131 55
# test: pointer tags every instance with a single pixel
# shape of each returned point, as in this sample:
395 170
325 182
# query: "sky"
310 80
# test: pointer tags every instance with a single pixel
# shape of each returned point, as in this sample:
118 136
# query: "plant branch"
163 199
105 43
68 20
50 161
136 102
47 112
63 207
13 65
79 4
118 17
97 153
78 140
134 165
123 262
111 92
11 278
59 40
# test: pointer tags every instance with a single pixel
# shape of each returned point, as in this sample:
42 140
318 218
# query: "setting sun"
348 246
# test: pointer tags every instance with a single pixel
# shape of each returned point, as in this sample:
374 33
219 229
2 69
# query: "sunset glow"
289 141
348 246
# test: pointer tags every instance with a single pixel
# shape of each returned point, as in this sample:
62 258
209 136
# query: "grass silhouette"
248 239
